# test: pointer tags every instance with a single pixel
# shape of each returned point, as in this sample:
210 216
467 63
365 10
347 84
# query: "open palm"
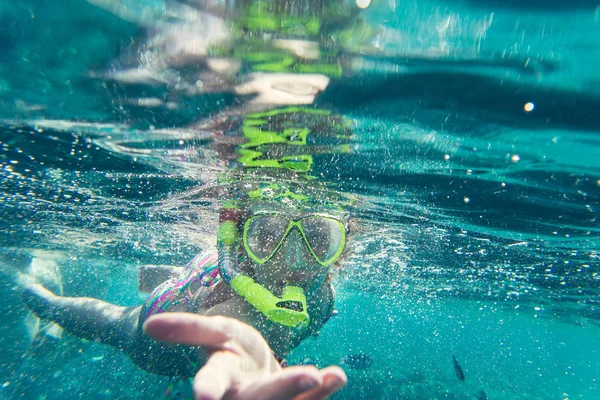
240 364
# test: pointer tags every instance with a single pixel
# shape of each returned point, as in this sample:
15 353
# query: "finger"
216 377
334 378
190 329
286 384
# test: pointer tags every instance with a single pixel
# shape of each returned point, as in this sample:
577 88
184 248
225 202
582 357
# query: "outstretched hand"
240 364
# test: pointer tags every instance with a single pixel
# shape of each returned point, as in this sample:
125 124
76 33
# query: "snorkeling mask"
289 310
264 234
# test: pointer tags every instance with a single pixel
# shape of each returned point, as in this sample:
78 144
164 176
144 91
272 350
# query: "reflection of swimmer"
282 138
271 272
274 53
276 89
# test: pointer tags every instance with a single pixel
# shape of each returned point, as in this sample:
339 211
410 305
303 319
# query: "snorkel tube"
289 310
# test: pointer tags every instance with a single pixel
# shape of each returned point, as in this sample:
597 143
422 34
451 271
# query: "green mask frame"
297 223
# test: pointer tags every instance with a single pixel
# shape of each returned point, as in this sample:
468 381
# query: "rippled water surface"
461 136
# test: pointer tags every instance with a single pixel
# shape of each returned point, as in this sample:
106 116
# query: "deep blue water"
466 135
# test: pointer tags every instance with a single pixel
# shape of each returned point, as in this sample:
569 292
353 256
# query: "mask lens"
325 236
262 235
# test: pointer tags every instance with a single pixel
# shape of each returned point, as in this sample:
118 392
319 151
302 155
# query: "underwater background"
463 137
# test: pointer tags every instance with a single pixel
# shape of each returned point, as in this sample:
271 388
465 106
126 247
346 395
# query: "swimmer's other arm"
240 364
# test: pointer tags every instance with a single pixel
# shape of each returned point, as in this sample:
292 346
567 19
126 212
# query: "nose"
294 251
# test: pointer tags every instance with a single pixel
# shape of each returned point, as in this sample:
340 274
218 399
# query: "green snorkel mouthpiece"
289 310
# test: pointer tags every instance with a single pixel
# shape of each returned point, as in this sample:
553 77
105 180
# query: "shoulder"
206 298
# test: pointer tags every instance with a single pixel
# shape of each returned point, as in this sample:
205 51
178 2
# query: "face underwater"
293 250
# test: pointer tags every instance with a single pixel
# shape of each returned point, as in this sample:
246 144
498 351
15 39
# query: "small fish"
308 361
458 369
481 395
358 361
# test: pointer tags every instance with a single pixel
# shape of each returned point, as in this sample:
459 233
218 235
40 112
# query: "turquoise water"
465 134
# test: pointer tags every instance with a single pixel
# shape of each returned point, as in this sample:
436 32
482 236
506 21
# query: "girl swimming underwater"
270 272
